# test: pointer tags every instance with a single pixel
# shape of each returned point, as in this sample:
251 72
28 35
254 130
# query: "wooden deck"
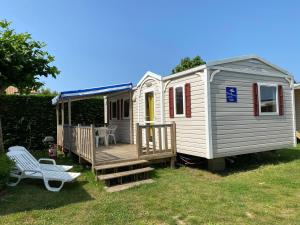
154 142
115 153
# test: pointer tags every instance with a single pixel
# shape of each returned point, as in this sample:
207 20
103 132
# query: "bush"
5 167
26 120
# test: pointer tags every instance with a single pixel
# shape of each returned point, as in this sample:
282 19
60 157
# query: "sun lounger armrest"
45 159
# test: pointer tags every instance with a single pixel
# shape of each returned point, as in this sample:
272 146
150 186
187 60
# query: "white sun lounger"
44 166
28 168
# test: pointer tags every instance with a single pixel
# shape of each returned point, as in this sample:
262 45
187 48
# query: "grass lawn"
256 189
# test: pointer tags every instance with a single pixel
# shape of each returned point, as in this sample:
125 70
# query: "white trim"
259 100
166 85
123 112
151 89
296 86
240 58
293 113
105 109
249 71
180 74
213 75
183 99
207 100
146 75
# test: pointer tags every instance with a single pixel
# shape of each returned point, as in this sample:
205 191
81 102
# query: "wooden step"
122 187
122 164
125 173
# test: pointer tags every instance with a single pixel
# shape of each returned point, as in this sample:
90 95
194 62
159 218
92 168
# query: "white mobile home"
223 108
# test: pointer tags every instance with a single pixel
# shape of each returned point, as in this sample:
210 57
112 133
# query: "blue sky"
106 42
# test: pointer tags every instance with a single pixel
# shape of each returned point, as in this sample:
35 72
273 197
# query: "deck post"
93 147
70 129
173 143
78 142
63 124
57 123
137 142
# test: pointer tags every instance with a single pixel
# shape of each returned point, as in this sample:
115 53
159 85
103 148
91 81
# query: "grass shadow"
253 161
17 198
31 194
246 162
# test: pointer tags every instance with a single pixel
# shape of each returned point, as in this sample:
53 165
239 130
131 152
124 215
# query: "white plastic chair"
111 132
52 166
28 168
102 134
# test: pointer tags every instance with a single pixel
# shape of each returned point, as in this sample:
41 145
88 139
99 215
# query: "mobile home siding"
190 132
123 130
235 129
253 64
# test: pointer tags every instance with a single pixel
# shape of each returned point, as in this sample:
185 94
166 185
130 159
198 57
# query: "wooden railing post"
137 140
93 147
78 140
174 149
173 144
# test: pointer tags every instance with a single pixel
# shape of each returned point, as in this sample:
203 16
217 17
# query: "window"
179 100
268 99
126 104
114 110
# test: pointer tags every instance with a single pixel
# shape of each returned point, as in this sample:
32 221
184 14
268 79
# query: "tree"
1 139
22 60
187 63
47 91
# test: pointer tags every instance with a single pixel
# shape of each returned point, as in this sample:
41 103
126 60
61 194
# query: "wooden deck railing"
154 141
79 140
59 135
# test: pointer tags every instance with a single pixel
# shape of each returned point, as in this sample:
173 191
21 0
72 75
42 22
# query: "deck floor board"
115 153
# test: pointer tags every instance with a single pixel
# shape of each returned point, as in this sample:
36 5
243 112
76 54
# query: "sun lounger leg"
54 189
13 184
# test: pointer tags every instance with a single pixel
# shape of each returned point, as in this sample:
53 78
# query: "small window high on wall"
179 100
114 110
126 105
268 100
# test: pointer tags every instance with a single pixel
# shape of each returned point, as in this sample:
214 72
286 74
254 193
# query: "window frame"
112 113
183 99
123 108
259 99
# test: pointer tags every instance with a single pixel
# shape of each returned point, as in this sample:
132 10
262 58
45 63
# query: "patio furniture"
28 168
101 134
44 166
111 132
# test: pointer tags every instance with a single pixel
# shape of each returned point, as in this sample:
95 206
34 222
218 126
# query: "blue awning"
77 94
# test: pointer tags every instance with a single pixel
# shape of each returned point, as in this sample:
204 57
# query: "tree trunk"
1 139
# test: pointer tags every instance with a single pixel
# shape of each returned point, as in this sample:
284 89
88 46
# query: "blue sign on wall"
231 94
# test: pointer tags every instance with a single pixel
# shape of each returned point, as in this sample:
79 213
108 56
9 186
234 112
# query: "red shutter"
122 109
171 102
118 109
255 99
188 111
110 110
280 100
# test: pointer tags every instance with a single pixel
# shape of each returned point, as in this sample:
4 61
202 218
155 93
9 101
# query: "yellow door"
149 110
149 107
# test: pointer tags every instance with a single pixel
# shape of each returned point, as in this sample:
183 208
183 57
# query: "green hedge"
5 167
26 120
